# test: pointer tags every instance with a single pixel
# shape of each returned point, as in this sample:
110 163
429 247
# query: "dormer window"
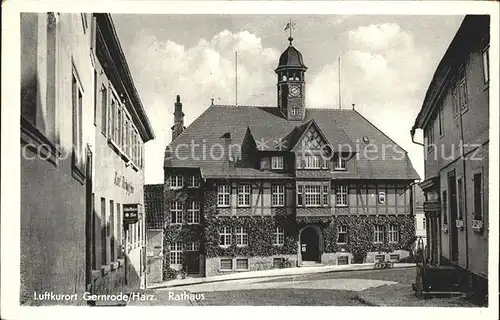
340 163
277 163
194 182
176 182
312 162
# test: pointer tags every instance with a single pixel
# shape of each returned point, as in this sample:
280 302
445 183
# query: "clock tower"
291 84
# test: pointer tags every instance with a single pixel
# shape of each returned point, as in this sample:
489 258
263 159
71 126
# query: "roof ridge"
382 132
241 106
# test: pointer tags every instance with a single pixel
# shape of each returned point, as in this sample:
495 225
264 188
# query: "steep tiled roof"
153 205
228 125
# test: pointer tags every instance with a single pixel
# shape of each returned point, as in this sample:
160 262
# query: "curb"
365 302
166 285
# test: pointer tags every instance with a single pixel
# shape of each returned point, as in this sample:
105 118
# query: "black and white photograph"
252 158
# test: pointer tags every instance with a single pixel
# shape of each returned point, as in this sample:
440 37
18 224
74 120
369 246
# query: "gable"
311 139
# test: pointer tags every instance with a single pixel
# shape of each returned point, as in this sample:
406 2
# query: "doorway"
452 185
193 262
309 244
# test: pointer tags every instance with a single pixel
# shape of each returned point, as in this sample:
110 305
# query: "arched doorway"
310 244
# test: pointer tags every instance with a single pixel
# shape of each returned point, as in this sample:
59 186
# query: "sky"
387 63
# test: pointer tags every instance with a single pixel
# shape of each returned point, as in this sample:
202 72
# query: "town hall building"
258 187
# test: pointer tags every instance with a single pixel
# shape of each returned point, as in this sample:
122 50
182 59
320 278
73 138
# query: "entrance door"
309 245
452 185
193 262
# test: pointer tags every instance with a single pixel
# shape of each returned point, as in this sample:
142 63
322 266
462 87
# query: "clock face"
294 91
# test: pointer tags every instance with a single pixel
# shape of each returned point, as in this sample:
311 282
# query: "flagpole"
236 76
340 94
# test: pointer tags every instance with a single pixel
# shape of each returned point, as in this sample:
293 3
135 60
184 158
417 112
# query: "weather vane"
290 26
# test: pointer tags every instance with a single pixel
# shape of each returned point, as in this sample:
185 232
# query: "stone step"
311 264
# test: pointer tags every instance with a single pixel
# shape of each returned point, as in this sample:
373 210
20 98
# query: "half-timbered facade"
249 188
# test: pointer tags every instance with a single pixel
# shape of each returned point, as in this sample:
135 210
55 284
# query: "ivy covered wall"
260 231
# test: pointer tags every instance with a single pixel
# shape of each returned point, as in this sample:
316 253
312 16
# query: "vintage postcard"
253 154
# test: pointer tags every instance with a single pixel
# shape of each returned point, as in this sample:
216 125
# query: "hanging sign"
130 213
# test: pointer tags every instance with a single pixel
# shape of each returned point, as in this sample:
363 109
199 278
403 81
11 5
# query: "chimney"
178 126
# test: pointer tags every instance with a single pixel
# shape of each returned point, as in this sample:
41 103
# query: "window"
95 97
393 233
241 237
379 234
244 191
176 182
455 103
394 257
342 260
381 197
341 196
225 237
380 257
478 196
441 119
278 236
194 182
278 195
326 163
175 253
342 234
444 200
486 59
295 111
226 264
312 162
241 264
462 89
77 101
193 246
460 198
312 195
112 119
194 212
119 229
277 163
176 212
223 195
326 195
340 163
104 110
429 137
300 195
112 229
104 237
118 125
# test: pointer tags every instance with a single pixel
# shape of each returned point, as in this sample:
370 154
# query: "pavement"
401 294
270 274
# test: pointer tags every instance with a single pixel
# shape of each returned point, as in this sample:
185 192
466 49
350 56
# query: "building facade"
249 188
455 121
420 220
77 95
153 207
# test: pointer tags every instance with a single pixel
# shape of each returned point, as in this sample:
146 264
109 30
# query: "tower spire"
290 26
